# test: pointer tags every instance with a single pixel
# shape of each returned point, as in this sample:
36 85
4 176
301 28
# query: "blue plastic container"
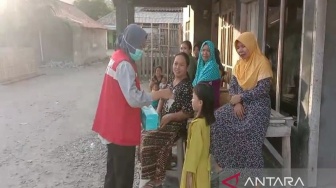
150 118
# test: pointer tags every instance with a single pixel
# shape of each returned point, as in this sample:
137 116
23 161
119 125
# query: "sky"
3 4
67 1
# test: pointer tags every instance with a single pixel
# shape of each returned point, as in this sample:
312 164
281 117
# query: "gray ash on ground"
59 64
85 159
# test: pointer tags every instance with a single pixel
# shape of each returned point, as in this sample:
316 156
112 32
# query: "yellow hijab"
257 67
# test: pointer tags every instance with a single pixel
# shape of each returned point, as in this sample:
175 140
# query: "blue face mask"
137 55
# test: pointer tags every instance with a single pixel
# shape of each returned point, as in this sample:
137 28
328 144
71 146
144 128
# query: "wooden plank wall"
163 43
11 66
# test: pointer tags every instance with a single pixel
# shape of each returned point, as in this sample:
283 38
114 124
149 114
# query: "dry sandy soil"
45 130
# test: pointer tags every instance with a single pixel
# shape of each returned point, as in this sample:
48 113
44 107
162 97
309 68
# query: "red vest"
116 121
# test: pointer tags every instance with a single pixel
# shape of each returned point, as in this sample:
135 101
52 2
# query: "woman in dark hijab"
218 61
117 120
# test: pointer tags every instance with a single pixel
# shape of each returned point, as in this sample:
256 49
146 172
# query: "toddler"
156 102
163 83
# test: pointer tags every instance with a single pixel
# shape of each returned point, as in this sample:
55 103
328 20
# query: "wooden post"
316 90
243 17
219 41
286 154
265 25
121 15
280 50
130 12
151 74
124 14
41 45
159 52
300 157
168 49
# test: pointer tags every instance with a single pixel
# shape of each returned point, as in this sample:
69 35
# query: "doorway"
282 47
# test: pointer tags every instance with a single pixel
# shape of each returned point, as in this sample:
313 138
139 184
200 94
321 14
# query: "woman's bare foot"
153 184
218 168
149 184
158 183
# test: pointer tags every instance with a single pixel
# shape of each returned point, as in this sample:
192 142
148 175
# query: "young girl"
196 168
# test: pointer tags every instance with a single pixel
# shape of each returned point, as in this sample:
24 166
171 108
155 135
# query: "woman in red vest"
117 120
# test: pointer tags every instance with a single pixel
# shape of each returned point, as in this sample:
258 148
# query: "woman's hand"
189 180
239 110
235 99
165 120
151 83
166 93
162 94
159 107
158 111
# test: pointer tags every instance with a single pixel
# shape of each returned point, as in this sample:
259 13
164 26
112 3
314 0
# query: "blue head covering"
209 70
132 38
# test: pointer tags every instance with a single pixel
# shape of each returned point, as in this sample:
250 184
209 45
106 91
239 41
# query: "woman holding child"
238 134
156 85
157 78
156 145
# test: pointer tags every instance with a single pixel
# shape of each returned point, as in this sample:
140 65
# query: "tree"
93 8
110 4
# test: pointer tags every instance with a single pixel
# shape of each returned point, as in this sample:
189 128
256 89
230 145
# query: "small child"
196 170
155 88
163 83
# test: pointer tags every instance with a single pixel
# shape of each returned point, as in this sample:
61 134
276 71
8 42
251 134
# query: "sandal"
149 184
214 180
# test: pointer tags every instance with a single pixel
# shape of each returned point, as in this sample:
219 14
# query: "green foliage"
93 8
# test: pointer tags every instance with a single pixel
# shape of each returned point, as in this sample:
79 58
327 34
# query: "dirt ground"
45 130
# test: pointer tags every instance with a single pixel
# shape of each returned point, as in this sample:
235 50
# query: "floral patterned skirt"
237 144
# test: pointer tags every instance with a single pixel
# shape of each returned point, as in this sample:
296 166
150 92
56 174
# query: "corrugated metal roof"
163 9
158 17
144 15
109 19
71 13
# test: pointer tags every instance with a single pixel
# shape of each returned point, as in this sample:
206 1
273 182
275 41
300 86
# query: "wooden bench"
280 126
177 172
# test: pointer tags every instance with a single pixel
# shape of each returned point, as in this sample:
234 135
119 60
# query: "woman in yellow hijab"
238 134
